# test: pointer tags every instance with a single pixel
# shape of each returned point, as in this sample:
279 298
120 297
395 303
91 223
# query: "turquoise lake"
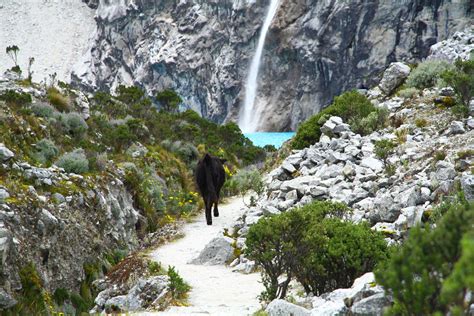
266 138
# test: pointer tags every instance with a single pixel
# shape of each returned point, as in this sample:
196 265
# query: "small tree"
169 100
315 245
384 148
462 80
423 274
12 51
31 60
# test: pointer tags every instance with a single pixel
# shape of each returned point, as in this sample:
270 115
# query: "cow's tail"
209 180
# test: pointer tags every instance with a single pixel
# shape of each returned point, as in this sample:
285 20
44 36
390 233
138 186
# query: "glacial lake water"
268 138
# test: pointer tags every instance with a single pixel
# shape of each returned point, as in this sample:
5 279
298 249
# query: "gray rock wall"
314 49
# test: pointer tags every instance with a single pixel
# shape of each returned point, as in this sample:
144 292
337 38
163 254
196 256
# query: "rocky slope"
314 50
433 153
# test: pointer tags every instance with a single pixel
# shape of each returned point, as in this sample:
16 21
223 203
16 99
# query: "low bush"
314 245
243 181
431 272
46 151
43 110
352 107
427 74
384 148
13 98
421 122
178 287
74 162
73 124
408 93
461 78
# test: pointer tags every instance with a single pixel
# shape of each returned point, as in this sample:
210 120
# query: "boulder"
283 308
288 167
146 293
6 300
334 126
372 163
5 153
470 123
456 127
370 306
393 77
445 171
218 251
4 194
467 185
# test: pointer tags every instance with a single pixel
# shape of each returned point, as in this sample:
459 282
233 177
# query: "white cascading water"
249 117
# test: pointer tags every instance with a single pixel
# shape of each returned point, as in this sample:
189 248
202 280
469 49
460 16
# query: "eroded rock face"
314 50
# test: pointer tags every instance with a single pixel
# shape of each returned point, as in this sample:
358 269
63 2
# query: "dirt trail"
216 290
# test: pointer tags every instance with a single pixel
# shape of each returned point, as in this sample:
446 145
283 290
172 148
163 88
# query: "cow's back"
210 176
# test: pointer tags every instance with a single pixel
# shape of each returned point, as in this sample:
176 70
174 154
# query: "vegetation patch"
429 273
314 245
353 107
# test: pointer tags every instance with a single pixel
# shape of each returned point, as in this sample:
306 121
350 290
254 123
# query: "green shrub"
46 151
427 74
462 80
462 277
104 102
60 296
169 100
423 274
351 107
73 124
74 162
43 110
154 268
439 155
31 298
243 181
314 245
13 98
421 122
178 287
121 137
384 148
408 93
371 122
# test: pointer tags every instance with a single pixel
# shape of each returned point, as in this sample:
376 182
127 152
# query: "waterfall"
249 117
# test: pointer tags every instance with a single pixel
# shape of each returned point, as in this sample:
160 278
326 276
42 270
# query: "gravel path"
216 290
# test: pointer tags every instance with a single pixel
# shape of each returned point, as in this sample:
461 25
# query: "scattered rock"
394 76
335 126
467 185
283 308
372 163
218 251
370 306
6 300
3 194
5 153
152 292
456 127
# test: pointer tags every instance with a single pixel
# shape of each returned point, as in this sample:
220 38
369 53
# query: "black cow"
210 177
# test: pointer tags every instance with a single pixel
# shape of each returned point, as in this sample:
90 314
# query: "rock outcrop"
314 50
392 194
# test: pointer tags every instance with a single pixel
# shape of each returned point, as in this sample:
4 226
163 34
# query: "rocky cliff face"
314 49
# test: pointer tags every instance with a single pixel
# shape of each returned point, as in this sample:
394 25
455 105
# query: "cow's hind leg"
208 212
216 210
